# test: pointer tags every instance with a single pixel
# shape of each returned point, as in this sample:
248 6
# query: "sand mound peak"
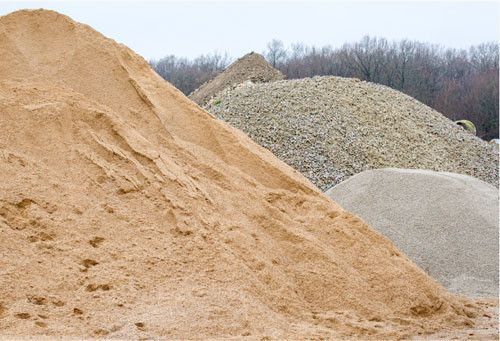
251 67
127 211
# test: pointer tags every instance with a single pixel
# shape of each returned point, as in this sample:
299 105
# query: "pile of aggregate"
330 128
446 223
251 67
128 212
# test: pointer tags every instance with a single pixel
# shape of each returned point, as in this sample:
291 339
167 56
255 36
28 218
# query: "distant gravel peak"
251 67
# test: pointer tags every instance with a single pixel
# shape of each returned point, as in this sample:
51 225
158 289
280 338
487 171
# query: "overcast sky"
157 28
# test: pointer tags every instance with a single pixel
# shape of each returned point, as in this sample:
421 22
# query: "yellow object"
467 125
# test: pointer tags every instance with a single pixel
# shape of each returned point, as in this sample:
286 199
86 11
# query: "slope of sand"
330 128
126 211
486 327
251 67
447 223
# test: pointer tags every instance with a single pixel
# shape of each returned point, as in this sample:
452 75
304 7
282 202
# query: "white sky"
189 28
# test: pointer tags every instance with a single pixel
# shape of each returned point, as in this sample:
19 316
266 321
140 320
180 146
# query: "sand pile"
447 223
126 211
330 128
251 67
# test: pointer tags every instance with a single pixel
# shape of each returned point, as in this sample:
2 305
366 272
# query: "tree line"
188 74
459 83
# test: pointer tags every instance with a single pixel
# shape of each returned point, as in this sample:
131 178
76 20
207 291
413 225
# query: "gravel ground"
330 128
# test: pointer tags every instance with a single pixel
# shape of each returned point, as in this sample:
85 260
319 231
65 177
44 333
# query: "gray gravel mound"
330 128
251 67
446 223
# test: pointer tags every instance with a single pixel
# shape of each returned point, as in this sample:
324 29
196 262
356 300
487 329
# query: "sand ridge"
128 211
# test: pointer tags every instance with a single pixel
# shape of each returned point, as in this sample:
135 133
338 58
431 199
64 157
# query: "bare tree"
458 83
275 53
188 75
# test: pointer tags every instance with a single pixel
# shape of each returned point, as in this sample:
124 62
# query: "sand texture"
251 67
486 327
126 211
330 128
447 223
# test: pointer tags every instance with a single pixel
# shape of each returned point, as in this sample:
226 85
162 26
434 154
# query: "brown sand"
127 211
486 327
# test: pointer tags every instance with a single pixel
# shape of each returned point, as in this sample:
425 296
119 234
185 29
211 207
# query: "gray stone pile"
446 223
330 128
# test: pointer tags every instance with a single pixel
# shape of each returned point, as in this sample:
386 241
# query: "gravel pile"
330 128
251 67
446 223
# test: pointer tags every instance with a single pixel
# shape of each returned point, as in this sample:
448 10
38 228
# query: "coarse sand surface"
126 211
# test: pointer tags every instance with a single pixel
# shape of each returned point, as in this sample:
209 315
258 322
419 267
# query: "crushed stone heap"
447 223
126 211
251 67
330 128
